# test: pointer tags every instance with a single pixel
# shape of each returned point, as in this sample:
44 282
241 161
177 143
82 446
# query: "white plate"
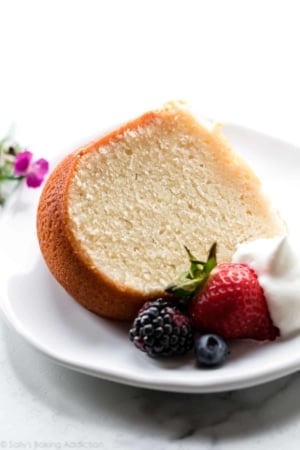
39 309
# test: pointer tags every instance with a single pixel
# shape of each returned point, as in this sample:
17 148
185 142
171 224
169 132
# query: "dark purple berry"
210 350
161 329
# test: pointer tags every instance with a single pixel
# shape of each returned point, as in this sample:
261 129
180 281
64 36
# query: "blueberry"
210 350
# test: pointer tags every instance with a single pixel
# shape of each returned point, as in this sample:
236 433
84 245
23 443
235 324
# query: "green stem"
11 178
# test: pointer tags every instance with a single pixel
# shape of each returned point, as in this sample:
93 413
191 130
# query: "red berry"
232 304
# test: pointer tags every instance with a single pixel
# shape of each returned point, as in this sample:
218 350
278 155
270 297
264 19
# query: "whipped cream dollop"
276 262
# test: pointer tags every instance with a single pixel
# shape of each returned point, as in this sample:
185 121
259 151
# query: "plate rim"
142 381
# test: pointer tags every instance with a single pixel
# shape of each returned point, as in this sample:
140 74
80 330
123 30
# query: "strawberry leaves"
225 299
195 278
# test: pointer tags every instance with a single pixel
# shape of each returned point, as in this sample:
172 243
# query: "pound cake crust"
115 215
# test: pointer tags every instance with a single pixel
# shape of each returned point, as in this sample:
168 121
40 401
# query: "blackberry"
161 329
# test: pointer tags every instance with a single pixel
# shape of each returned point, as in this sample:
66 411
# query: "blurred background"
72 68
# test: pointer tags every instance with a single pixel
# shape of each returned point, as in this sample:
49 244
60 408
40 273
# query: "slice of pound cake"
114 216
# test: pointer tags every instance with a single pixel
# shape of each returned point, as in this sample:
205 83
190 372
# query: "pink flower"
33 171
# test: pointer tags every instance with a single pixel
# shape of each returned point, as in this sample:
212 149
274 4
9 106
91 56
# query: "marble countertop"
72 68
47 406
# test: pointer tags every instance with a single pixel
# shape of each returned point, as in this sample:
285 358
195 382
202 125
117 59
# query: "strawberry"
225 299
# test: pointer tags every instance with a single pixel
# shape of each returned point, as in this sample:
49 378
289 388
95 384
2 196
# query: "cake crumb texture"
122 209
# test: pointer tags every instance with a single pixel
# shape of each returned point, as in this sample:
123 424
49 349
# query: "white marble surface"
47 406
71 68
